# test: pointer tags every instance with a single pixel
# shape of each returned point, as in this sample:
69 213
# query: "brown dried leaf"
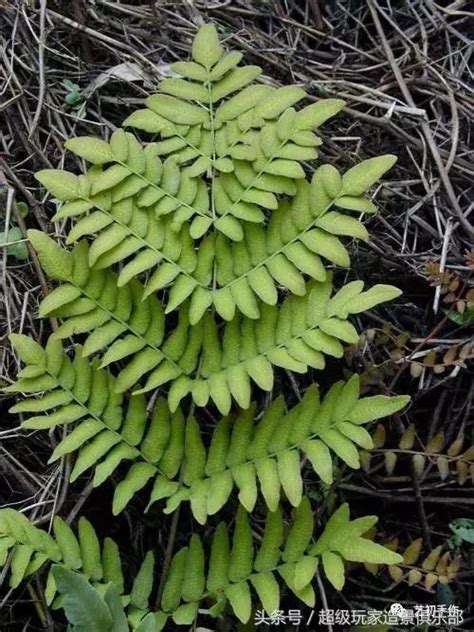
430 359
416 369
442 464
465 351
469 258
401 340
396 355
419 462
453 567
414 577
412 552
379 437
462 469
461 306
432 559
392 545
408 438
371 568
432 268
442 565
453 284
430 580
365 459
396 573
469 454
449 298
456 447
436 444
470 296
390 462
450 355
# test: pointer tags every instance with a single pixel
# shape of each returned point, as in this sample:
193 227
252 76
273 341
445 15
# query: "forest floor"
76 68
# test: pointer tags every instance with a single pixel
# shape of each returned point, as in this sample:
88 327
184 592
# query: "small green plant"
199 270
463 531
14 244
13 241
73 95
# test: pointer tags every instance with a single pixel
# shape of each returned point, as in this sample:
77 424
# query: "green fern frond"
225 168
204 269
107 430
223 273
122 326
29 548
268 454
233 571
296 335
241 452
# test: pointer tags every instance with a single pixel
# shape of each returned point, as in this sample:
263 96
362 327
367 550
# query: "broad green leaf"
364 550
56 262
267 590
314 115
240 600
84 609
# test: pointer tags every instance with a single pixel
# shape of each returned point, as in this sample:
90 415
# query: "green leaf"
312 116
83 607
18 250
361 177
320 458
240 600
267 590
363 550
289 470
56 262
91 149
29 351
334 568
61 184
300 533
370 408
376 295
116 609
207 49
143 582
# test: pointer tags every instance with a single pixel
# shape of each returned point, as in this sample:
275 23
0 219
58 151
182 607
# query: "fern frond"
233 571
241 452
107 430
29 548
295 335
205 269
223 273
268 454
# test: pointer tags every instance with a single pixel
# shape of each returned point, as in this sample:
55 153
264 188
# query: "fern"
200 267
241 450
288 553
295 335
221 272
